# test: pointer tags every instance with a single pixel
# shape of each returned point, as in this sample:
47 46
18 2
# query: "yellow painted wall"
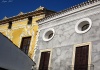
4 33
21 29
19 23
3 28
16 34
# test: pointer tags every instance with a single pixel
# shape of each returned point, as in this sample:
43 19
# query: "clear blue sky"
11 8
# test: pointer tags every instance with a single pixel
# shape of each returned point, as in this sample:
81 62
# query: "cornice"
70 18
71 10
26 15
20 17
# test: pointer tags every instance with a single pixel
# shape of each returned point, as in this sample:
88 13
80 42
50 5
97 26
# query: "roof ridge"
70 9
21 13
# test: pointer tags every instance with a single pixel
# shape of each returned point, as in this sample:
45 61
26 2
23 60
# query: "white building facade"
70 39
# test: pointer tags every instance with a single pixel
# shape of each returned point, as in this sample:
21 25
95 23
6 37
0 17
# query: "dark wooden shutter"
44 61
25 44
81 58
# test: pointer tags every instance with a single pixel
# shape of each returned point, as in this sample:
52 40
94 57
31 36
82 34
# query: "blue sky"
11 8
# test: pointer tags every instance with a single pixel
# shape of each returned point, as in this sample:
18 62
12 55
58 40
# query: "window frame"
89 53
77 27
44 37
49 65
22 44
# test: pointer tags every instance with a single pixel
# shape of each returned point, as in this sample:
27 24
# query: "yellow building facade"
22 26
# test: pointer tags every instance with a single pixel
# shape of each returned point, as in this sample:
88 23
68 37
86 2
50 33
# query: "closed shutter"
44 61
25 44
81 58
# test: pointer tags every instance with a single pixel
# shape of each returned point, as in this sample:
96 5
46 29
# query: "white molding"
50 29
49 65
68 16
35 47
89 53
79 23
62 14
69 20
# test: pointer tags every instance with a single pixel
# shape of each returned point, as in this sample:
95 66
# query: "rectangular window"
10 25
81 58
44 60
25 44
29 20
